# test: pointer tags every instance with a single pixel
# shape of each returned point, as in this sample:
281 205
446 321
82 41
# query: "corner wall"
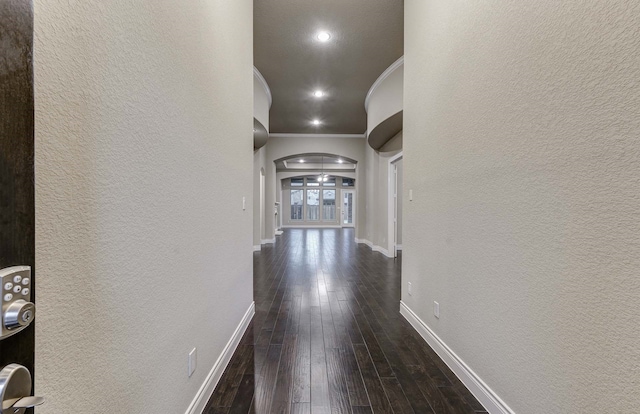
521 147
259 164
143 154
377 198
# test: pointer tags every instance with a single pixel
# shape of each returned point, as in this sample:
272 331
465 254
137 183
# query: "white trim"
382 250
374 247
391 236
257 248
279 232
312 226
316 136
365 241
487 397
268 241
395 65
264 84
399 247
199 402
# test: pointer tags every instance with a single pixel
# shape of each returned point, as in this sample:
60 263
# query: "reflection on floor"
328 337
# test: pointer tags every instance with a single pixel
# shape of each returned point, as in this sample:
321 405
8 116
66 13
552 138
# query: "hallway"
327 337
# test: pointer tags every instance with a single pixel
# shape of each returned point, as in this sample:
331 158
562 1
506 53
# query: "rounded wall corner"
385 130
260 135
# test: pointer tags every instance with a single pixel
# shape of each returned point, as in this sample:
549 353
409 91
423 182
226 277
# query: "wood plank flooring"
328 337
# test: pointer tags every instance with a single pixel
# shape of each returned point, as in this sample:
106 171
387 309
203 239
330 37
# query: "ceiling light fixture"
322 177
315 122
323 36
339 161
301 161
318 94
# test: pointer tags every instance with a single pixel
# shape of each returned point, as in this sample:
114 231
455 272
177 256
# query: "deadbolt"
19 313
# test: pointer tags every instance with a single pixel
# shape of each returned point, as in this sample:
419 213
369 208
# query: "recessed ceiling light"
315 122
301 161
323 36
339 161
318 94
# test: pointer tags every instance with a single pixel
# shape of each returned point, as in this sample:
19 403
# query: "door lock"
15 390
17 309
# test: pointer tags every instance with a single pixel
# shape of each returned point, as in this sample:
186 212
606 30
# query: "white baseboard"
257 248
365 241
279 232
268 241
206 390
374 247
487 397
382 250
399 247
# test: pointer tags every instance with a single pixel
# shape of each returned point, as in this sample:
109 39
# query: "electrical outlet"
410 195
409 289
193 361
244 203
436 309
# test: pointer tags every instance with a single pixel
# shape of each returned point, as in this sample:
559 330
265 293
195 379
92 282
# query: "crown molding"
264 84
395 65
316 136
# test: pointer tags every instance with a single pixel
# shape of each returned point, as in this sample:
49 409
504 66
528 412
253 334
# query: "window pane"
297 182
331 182
348 182
329 204
313 204
296 204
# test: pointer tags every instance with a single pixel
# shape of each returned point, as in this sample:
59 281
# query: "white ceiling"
367 37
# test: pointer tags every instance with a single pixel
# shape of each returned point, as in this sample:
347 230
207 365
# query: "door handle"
15 390
24 402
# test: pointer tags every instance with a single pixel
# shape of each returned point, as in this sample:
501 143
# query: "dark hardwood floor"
328 337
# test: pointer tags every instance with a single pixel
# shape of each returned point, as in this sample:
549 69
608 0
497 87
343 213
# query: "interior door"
348 208
17 217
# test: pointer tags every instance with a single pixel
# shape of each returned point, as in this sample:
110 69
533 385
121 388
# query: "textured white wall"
143 155
521 137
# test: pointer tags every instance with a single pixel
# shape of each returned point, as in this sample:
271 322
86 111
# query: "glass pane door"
348 208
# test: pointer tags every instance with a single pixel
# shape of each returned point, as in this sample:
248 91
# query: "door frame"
392 206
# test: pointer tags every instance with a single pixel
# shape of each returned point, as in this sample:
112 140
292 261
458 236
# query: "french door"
348 208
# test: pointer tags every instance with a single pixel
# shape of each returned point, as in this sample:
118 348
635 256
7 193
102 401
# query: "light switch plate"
193 361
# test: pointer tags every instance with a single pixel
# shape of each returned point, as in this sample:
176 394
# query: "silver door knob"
15 390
